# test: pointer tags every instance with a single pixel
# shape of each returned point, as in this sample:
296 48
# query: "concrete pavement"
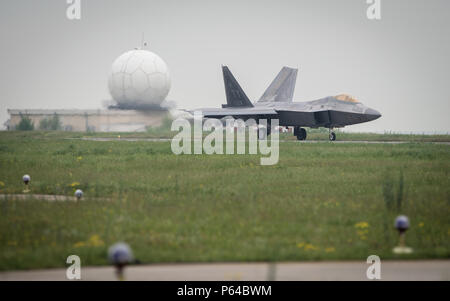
428 270
45 197
282 141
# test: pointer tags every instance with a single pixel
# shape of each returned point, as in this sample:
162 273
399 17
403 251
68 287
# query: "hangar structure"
139 83
93 120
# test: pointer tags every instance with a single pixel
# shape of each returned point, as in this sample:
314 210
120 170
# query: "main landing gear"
300 133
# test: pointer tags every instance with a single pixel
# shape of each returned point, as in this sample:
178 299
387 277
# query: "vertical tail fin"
235 95
282 87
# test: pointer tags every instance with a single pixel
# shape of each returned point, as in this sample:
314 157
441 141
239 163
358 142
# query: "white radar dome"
139 78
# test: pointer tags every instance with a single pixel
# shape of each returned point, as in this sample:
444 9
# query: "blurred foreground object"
120 255
26 180
402 224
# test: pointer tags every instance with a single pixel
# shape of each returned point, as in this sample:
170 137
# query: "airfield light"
120 255
79 194
26 180
402 224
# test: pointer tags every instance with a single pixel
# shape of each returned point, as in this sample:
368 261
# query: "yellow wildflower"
95 241
300 245
306 246
79 244
362 232
362 225
330 250
310 247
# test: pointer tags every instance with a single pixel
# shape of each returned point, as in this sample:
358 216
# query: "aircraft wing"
237 112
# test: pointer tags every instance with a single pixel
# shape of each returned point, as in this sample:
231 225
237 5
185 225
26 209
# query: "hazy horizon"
398 65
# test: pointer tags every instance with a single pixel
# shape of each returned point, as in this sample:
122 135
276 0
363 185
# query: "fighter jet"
276 103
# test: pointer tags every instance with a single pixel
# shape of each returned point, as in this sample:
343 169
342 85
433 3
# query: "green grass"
322 134
322 201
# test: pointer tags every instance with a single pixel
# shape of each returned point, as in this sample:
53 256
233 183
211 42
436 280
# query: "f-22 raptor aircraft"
276 103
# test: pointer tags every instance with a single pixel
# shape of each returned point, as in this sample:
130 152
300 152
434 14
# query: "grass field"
322 201
313 134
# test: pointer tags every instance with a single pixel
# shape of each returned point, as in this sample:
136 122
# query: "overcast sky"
398 65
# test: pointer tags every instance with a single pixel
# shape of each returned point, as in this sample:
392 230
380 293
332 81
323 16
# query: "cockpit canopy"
346 97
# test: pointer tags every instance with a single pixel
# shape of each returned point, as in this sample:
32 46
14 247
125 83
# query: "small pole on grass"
120 255
402 225
79 194
26 180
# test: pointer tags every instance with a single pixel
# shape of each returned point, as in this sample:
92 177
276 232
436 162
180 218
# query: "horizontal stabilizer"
235 95
282 87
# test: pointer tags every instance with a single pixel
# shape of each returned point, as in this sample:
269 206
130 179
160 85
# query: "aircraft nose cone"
372 114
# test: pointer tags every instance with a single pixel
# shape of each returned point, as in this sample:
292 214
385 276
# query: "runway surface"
427 270
283 141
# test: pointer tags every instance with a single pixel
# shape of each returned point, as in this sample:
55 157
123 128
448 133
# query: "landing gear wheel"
332 136
301 134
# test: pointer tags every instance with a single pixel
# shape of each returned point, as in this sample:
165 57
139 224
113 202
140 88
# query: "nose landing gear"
300 133
332 135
